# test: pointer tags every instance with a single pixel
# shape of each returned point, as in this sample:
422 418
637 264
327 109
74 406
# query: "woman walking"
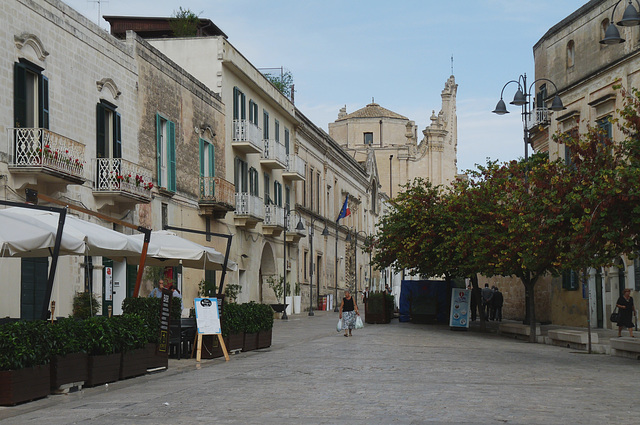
348 312
627 311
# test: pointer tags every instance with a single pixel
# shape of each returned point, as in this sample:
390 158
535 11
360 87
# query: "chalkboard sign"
165 312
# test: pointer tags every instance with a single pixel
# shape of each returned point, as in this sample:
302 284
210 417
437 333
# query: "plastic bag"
339 326
359 324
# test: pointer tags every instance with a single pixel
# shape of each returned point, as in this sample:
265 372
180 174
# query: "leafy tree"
184 23
283 82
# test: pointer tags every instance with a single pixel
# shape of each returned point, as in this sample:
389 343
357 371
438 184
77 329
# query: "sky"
348 52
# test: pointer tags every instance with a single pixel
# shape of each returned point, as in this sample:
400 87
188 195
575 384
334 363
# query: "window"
541 96
318 192
277 193
603 30
267 185
254 189
241 176
265 125
239 105
286 140
166 151
109 134
253 112
567 151
277 130
207 167
287 197
368 138
311 188
31 96
570 280
605 125
571 54
304 267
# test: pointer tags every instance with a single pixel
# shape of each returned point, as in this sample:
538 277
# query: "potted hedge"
69 361
24 361
265 333
131 338
233 326
249 313
101 346
379 308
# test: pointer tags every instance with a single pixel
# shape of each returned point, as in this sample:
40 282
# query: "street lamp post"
521 99
630 18
338 226
300 226
325 232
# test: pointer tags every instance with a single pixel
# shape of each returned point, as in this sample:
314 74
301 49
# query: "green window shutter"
267 198
236 105
243 106
19 95
212 160
171 148
159 149
202 157
43 101
265 125
117 141
101 142
252 116
287 197
286 140
569 280
277 131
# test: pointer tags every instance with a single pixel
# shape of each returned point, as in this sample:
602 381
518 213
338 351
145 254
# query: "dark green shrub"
85 305
250 316
101 337
231 320
149 310
377 302
130 332
67 336
265 313
24 344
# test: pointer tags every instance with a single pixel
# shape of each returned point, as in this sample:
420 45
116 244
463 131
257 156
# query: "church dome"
372 110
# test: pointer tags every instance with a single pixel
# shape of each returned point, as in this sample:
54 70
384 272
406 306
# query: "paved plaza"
401 373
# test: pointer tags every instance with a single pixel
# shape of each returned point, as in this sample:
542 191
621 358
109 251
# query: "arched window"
603 27
571 54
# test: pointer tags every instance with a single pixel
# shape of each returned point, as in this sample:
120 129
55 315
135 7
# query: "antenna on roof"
99 2
452 64
372 101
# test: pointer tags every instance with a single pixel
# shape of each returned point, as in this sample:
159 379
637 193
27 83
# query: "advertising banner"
459 316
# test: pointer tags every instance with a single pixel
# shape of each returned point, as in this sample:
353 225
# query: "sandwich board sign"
208 323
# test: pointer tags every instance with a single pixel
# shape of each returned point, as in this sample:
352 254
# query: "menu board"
207 316
459 317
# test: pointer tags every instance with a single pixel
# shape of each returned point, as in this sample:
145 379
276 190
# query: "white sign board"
108 284
207 316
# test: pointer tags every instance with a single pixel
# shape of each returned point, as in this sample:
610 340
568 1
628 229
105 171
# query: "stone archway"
267 267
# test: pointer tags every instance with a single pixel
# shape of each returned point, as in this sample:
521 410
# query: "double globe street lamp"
630 18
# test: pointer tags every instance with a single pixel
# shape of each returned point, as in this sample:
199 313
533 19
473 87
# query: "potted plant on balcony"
69 361
24 361
277 285
297 298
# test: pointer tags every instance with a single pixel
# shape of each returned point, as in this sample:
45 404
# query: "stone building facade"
585 71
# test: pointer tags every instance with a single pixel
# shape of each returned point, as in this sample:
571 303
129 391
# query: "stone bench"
516 329
572 338
626 347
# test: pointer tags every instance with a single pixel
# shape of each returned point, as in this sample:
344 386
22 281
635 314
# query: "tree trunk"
476 299
529 285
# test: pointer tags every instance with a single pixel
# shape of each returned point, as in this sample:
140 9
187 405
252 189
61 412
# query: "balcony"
249 210
119 181
274 155
294 235
538 117
273 223
217 197
247 137
45 155
296 168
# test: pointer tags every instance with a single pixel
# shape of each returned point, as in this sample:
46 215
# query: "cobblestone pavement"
401 373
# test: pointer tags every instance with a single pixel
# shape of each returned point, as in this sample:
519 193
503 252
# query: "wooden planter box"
236 341
379 314
70 369
250 342
103 369
26 384
264 338
211 348
133 363
154 359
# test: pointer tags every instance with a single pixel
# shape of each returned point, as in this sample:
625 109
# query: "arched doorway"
267 267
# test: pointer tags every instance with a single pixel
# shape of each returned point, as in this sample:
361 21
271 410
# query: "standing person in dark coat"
627 311
476 300
487 295
497 301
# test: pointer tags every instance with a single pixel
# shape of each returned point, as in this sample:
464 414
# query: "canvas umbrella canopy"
27 237
98 240
168 249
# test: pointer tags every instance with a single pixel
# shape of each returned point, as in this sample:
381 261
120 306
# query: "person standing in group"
497 302
157 291
348 312
627 311
175 293
487 295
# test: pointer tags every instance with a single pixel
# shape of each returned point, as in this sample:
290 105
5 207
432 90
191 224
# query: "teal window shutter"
101 142
277 131
243 106
19 95
286 140
236 105
265 125
159 149
202 157
171 151
212 160
44 102
117 141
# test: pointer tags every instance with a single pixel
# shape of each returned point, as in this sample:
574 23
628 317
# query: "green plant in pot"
85 304
231 292
277 285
